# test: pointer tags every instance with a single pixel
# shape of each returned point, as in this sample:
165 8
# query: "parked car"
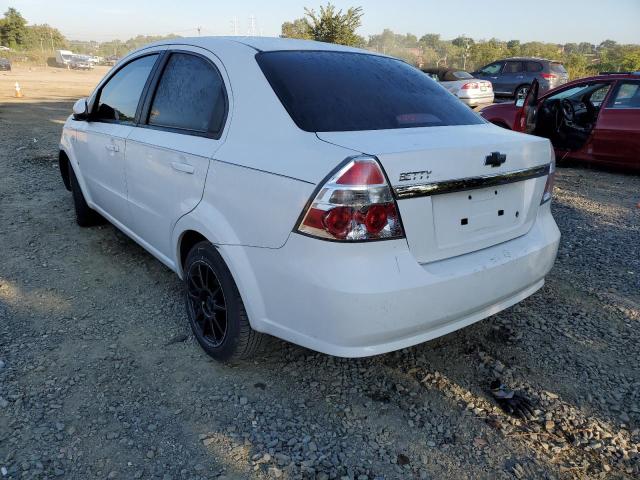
4 49
471 92
80 63
512 77
594 119
301 190
5 64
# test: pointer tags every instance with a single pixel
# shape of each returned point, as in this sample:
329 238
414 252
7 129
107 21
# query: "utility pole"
252 26
199 30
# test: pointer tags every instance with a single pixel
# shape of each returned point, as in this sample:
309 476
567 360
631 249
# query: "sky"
558 21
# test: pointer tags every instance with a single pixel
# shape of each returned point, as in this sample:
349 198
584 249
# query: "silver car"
471 91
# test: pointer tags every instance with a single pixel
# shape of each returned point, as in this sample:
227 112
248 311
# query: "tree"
44 38
13 29
299 28
331 25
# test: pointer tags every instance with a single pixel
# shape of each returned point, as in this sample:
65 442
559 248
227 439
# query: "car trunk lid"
451 201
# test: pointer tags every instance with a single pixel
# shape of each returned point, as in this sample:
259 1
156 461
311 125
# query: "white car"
332 197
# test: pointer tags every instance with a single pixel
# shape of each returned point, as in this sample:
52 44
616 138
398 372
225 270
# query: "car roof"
261 44
536 59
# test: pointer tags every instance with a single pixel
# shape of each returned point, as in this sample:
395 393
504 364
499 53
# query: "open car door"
527 112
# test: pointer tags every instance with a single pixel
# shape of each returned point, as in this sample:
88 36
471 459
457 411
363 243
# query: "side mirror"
80 110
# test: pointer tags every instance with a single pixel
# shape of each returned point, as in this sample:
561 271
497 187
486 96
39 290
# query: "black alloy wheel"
207 303
215 308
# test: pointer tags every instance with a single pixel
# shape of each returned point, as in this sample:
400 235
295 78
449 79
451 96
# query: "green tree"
299 28
13 29
43 38
333 26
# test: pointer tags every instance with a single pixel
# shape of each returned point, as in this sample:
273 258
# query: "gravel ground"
100 377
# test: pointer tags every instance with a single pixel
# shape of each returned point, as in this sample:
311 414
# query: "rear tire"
216 312
85 216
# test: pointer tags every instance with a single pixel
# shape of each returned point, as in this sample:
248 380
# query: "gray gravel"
101 378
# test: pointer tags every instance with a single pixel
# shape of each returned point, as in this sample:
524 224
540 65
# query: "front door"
616 136
100 141
168 154
492 72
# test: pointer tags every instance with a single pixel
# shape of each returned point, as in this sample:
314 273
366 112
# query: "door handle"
112 148
183 167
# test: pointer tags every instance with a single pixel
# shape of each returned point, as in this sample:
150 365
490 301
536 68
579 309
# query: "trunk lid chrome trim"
402 192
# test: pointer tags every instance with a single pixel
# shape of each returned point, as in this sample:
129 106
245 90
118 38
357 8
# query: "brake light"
470 86
548 76
548 187
355 203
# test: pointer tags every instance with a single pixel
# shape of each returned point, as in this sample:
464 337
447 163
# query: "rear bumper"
370 298
477 101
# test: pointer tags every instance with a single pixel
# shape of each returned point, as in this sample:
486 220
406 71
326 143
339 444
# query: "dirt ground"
101 378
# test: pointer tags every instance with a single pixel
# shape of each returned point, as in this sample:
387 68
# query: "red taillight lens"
354 204
337 221
362 173
470 86
548 76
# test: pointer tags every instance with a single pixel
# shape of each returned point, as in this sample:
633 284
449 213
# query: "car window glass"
557 68
492 69
570 92
120 96
326 91
597 97
461 75
190 95
513 67
627 96
534 67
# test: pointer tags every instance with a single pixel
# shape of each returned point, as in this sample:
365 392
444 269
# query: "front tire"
215 309
85 216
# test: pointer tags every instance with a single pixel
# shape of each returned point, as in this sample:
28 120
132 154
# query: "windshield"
327 91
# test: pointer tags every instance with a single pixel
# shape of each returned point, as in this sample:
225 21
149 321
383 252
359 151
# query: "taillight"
548 76
354 204
548 187
470 86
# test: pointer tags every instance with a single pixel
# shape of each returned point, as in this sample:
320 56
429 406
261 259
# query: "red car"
594 119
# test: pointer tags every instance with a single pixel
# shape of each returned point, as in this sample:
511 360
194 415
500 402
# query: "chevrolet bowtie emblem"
495 159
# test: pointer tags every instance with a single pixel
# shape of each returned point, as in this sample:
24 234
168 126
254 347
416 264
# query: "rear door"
100 141
168 154
616 136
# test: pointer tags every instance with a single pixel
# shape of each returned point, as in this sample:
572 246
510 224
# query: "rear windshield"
462 75
342 91
557 67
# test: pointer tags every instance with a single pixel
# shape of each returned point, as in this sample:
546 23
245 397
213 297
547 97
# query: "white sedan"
333 197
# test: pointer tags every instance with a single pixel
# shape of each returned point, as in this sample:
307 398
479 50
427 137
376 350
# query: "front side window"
118 99
326 91
190 95
627 96
492 69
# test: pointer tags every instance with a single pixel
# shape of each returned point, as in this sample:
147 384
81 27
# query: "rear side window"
119 97
534 67
190 95
513 67
557 67
627 96
343 91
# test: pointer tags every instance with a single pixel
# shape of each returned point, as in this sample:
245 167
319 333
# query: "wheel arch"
188 233
63 164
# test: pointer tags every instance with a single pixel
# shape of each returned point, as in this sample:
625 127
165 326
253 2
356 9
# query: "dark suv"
513 76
